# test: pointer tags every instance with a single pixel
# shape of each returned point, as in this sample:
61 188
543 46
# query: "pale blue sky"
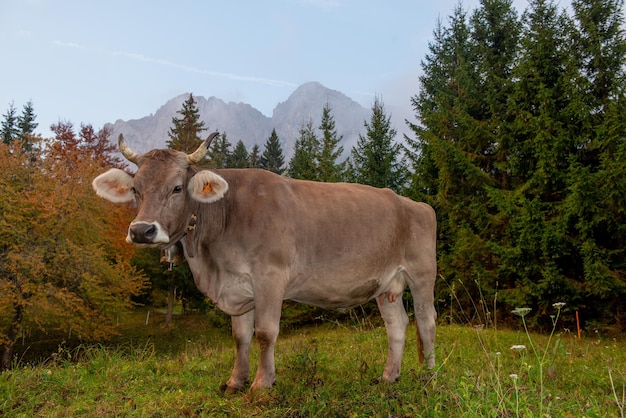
99 61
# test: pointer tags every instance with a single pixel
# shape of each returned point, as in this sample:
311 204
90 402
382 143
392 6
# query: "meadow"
328 369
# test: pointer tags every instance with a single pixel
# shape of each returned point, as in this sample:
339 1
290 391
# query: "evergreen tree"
255 157
10 128
496 30
593 213
220 152
601 48
520 149
240 157
330 150
26 121
185 133
449 152
534 264
272 158
376 159
304 163
27 125
184 136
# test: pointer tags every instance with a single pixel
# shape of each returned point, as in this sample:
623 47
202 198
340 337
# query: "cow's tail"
420 345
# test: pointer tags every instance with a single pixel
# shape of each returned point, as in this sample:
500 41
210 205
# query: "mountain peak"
243 122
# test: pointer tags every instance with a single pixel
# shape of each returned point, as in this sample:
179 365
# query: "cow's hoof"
260 388
231 390
379 380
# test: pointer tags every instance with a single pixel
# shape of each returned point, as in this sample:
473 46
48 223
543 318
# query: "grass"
330 369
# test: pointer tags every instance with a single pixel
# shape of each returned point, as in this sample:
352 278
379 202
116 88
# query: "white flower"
558 305
521 311
513 376
518 347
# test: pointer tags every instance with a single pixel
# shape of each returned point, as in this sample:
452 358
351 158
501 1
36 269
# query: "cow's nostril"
143 233
150 232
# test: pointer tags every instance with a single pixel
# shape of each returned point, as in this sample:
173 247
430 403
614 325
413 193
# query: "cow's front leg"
243 329
267 325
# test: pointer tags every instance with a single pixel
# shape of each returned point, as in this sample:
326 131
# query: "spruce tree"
220 152
534 265
26 121
240 157
272 158
330 151
376 159
449 149
185 133
304 163
27 125
593 213
9 128
255 157
519 147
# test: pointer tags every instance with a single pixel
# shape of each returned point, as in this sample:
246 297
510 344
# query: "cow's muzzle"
146 233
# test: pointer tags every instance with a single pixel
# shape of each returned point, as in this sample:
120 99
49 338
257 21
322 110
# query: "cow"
253 239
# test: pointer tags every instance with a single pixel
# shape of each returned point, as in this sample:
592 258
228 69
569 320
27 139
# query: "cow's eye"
177 189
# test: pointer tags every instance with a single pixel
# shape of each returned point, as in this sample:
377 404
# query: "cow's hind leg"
243 329
425 317
396 321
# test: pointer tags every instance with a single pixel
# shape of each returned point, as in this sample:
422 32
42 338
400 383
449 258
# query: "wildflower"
519 347
521 311
558 305
513 376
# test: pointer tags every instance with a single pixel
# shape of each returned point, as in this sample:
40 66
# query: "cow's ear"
207 187
115 185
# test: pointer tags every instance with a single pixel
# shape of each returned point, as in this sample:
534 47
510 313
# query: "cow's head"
164 189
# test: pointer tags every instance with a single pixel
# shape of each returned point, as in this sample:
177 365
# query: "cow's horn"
199 154
128 153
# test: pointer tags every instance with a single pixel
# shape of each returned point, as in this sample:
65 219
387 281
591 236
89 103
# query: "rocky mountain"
242 121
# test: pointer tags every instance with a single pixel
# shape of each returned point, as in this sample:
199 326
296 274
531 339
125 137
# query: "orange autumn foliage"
63 261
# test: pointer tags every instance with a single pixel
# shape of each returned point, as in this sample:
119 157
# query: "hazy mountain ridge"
243 122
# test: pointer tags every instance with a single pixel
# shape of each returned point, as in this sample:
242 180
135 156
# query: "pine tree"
10 129
255 157
460 137
376 159
595 182
330 150
272 158
448 151
304 163
185 133
26 121
496 30
220 152
520 148
240 157
533 261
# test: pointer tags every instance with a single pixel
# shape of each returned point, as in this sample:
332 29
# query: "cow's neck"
205 221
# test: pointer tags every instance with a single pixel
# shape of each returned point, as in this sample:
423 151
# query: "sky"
94 62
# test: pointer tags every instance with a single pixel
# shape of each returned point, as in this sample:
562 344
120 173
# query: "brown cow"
253 239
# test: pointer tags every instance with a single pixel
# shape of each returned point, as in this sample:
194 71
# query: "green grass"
325 370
